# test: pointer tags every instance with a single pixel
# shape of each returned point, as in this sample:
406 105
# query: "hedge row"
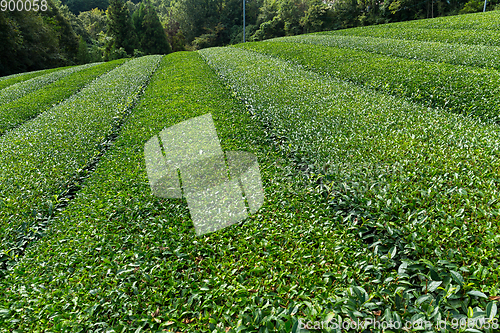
477 21
21 89
14 113
464 90
39 158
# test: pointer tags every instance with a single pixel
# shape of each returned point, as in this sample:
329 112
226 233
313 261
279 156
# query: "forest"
73 32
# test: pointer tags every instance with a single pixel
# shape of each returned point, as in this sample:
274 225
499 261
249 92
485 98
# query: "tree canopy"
151 36
32 40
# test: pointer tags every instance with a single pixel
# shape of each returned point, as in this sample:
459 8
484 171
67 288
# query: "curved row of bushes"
418 184
39 158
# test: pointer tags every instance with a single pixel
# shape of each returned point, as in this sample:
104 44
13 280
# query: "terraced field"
379 158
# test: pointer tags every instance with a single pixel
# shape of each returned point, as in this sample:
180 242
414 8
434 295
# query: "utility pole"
244 20
484 9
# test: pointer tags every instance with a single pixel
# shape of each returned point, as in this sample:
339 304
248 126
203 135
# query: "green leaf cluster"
119 258
140 31
487 37
9 80
32 40
377 206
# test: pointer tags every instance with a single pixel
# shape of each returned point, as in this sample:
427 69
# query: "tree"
95 22
153 39
269 22
473 6
76 23
67 39
77 6
132 7
196 17
120 28
175 37
346 13
138 18
289 13
270 29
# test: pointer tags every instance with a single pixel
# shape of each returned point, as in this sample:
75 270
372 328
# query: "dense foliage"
16 112
207 23
471 91
77 6
64 34
40 158
381 174
405 176
32 40
120 27
124 30
452 53
15 91
9 80
139 254
151 37
80 31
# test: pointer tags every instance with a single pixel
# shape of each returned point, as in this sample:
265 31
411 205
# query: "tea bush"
20 89
469 91
453 36
455 54
9 80
380 203
420 183
39 159
120 259
14 113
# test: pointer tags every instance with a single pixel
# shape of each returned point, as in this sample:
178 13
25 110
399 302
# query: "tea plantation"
379 152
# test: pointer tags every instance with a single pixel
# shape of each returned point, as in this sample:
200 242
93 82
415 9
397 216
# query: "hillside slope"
379 158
